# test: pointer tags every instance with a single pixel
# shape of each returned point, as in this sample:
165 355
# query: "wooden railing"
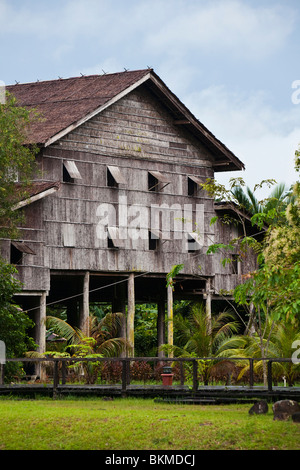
60 367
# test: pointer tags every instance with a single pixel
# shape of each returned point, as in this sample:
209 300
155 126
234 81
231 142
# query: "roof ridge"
78 77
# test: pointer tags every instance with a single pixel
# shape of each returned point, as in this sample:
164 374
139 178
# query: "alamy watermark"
2 92
296 94
295 358
163 221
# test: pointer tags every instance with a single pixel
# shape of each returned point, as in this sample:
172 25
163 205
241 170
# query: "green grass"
139 424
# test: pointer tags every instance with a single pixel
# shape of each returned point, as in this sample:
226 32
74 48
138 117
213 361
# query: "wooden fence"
59 367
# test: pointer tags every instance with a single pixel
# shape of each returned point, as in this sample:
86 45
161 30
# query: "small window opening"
192 187
192 243
156 177
66 177
234 263
152 183
16 256
152 241
114 177
70 172
111 182
17 251
113 239
110 243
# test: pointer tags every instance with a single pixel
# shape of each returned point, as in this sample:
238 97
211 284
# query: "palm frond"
63 329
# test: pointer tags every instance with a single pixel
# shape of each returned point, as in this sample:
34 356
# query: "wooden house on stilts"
117 201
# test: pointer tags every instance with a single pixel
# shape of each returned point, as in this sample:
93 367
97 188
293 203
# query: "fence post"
63 372
195 379
270 380
1 373
124 376
251 379
181 373
55 378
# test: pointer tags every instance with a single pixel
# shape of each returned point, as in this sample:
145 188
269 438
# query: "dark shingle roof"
63 102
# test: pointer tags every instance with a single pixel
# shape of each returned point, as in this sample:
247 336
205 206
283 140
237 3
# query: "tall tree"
13 322
17 162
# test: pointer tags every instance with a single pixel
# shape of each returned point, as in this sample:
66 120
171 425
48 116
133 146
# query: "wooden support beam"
170 317
119 305
208 305
130 315
84 311
221 163
40 334
161 326
180 122
40 321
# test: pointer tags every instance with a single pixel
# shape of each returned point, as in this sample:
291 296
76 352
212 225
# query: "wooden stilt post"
40 321
130 315
119 305
170 317
208 305
161 326
85 305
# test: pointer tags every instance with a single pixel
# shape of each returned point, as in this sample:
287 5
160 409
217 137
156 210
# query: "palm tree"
278 200
199 336
278 341
104 341
247 199
104 332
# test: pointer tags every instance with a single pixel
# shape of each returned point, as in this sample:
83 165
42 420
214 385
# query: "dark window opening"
17 250
16 256
192 187
114 177
111 182
157 181
234 263
153 241
113 239
66 176
110 243
70 172
152 183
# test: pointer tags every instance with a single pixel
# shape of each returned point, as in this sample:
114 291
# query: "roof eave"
36 197
226 160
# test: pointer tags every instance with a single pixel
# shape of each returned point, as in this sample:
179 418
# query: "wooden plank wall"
137 135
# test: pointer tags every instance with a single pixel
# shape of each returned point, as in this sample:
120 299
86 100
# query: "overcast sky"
233 63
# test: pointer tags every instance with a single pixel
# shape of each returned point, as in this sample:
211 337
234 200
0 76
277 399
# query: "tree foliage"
17 162
275 286
14 323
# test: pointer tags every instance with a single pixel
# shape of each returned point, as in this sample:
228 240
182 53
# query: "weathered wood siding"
137 135
33 271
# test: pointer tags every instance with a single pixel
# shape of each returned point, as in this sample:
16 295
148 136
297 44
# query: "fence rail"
59 367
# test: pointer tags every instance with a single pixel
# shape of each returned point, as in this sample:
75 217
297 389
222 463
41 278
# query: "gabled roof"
65 104
36 191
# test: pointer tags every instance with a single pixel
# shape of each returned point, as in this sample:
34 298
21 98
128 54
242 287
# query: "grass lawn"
139 424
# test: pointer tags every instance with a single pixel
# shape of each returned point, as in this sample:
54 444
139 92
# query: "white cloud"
168 26
233 26
264 138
